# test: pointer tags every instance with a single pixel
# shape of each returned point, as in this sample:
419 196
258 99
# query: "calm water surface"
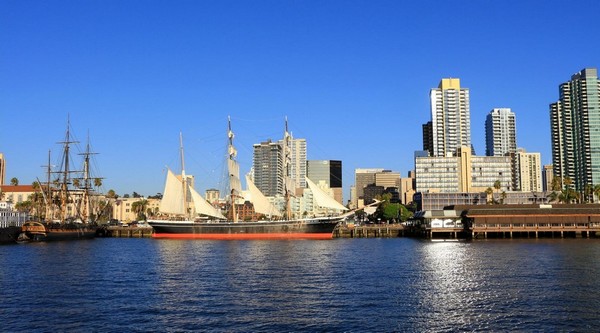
342 285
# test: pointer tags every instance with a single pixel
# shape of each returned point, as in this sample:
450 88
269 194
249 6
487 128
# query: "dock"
128 232
370 231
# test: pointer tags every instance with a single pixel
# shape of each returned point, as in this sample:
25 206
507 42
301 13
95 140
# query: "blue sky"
353 78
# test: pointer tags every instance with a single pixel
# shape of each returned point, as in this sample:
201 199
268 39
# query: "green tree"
497 186
24 206
595 191
556 184
588 193
568 195
391 212
489 197
139 207
97 182
111 194
14 181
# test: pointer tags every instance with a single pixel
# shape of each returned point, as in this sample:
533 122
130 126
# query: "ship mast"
287 171
183 177
64 186
49 201
87 182
231 153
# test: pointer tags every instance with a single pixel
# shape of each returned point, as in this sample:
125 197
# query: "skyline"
352 77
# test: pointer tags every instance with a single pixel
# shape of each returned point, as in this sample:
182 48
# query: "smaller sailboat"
68 212
202 221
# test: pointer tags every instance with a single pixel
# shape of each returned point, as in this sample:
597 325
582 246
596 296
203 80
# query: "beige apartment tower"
450 118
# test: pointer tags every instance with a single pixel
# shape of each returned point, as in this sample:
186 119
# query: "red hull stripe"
246 236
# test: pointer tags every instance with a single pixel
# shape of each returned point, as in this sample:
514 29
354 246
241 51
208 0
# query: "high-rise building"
387 179
328 172
363 178
575 129
2 169
407 189
298 162
500 132
547 176
450 118
526 171
268 168
428 137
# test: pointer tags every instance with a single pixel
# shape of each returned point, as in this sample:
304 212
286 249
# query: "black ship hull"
298 229
9 235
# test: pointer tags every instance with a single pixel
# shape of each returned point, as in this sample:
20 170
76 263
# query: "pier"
128 232
370 231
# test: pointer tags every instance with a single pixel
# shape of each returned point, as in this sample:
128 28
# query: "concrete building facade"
268 168
362 178
547 176
462 173
526 171
450 118
328 172
500 132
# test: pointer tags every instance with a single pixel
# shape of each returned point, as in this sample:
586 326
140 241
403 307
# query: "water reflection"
353 285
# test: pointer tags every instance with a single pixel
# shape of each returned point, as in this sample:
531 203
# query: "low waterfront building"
438 201
10 217
123 208
464 172
17 193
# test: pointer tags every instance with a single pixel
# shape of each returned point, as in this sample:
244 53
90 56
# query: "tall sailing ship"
187 215
68 212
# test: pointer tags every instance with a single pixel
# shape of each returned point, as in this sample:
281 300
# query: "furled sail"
234 177
202 206
232 165
261 204
322 199
172 201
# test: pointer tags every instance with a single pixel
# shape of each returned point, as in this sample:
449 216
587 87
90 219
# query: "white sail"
262 205
322 199
172 200
203 207
234 177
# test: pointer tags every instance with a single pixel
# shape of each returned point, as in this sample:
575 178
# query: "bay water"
339 285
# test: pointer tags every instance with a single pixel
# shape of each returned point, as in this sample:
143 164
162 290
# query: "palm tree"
556 184
553 196
568 195
111 194
139 207
97 182
595 191
497 186
14 181
489 192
